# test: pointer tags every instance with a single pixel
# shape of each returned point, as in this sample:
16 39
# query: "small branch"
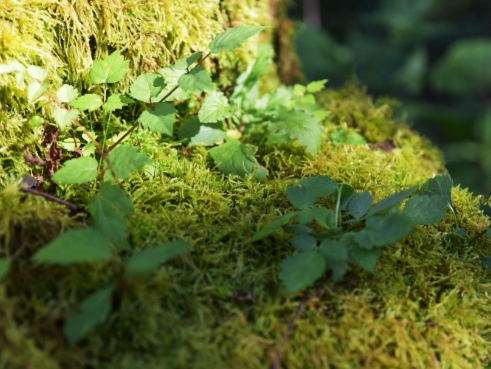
70 206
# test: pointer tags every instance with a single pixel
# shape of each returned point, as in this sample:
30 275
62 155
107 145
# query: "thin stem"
70 206
338 203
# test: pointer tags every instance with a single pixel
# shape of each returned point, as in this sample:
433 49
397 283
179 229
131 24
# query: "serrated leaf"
233 37
300 197
207 134
160 119
320 186
391 201
302 270
299 90
303 242
198 80
64 117
147 87
117 101
272 227
439 185
425 209
88 102
261 65
337 268
92 312
35 90
4 267
367 259
185 63
125 159
236 158
334 250
107 210
214 108
79 170
360 204
37 73
384 230
109 70
143 263
67 93
316 86
269 103
296 125
75 246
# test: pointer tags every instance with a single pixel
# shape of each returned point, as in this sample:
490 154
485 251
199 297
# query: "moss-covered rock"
222 305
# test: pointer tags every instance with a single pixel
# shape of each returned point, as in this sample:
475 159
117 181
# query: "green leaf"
160 119
67 93
117 101
367 259
88 102
143 263
37 73
125 159
79 170
92 312
316 86
360 204
302 270
488 232
64 117
198 80
296 125
236 158
147 87
384 230
439 185
334 250
35 90
260 66
233 37
201 134
185 63
348 193
337 268
107 210
214 108
75 246
323 216
35 121
320 186
391 201
303 242
300 197
272 227
109 70
4 267
281 97
425 209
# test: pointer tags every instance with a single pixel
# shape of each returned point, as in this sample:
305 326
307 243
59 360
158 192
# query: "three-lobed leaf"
78 171
295 125
88 102
207 134
92 312
147 87
237 158
124 160
64 117
67 93
143 263
75 246
439 185
300 197
302 270
214 108
233 37
117 101
198 80
160 119
110 70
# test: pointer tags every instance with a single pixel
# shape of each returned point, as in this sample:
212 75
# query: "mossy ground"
222 305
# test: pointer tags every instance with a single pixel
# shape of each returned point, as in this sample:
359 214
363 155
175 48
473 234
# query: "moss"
221 305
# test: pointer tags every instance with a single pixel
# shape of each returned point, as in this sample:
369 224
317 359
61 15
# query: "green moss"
221 305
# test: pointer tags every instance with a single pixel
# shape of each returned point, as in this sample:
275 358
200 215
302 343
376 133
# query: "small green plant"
355 230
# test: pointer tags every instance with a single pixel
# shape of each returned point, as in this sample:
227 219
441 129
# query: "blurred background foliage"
434 56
